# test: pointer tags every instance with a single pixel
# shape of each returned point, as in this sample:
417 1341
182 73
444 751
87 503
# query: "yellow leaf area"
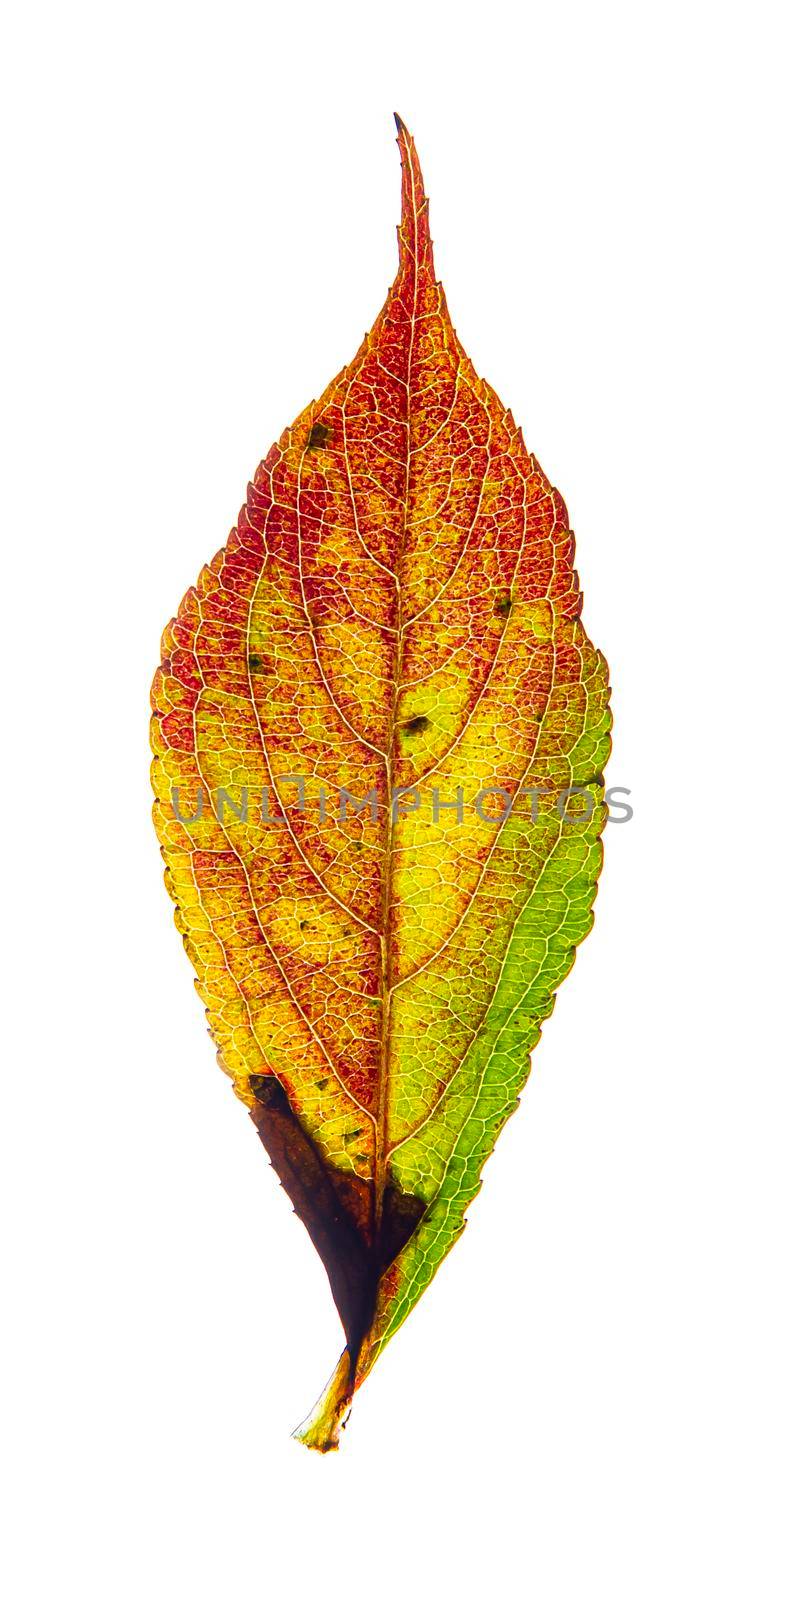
396 610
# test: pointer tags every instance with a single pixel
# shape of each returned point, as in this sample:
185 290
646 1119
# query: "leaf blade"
396 609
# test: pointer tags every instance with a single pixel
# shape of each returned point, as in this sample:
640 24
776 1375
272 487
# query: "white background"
597 1395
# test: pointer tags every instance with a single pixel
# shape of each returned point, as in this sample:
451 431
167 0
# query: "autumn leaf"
379 730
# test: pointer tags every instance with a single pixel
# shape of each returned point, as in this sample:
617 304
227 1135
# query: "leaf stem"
321 1429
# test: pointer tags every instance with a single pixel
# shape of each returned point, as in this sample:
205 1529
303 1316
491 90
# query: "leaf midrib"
381 1149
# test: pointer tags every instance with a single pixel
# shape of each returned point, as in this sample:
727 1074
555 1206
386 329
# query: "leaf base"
322 1428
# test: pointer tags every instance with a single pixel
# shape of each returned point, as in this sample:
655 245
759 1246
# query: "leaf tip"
415 243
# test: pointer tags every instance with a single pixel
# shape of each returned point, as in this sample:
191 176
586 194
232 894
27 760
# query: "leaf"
396 610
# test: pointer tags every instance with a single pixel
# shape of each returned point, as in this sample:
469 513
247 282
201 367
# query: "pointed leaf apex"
415 242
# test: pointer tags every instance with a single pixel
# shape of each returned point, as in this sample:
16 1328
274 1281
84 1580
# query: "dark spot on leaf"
416 725
503 606
265 1086
318 436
